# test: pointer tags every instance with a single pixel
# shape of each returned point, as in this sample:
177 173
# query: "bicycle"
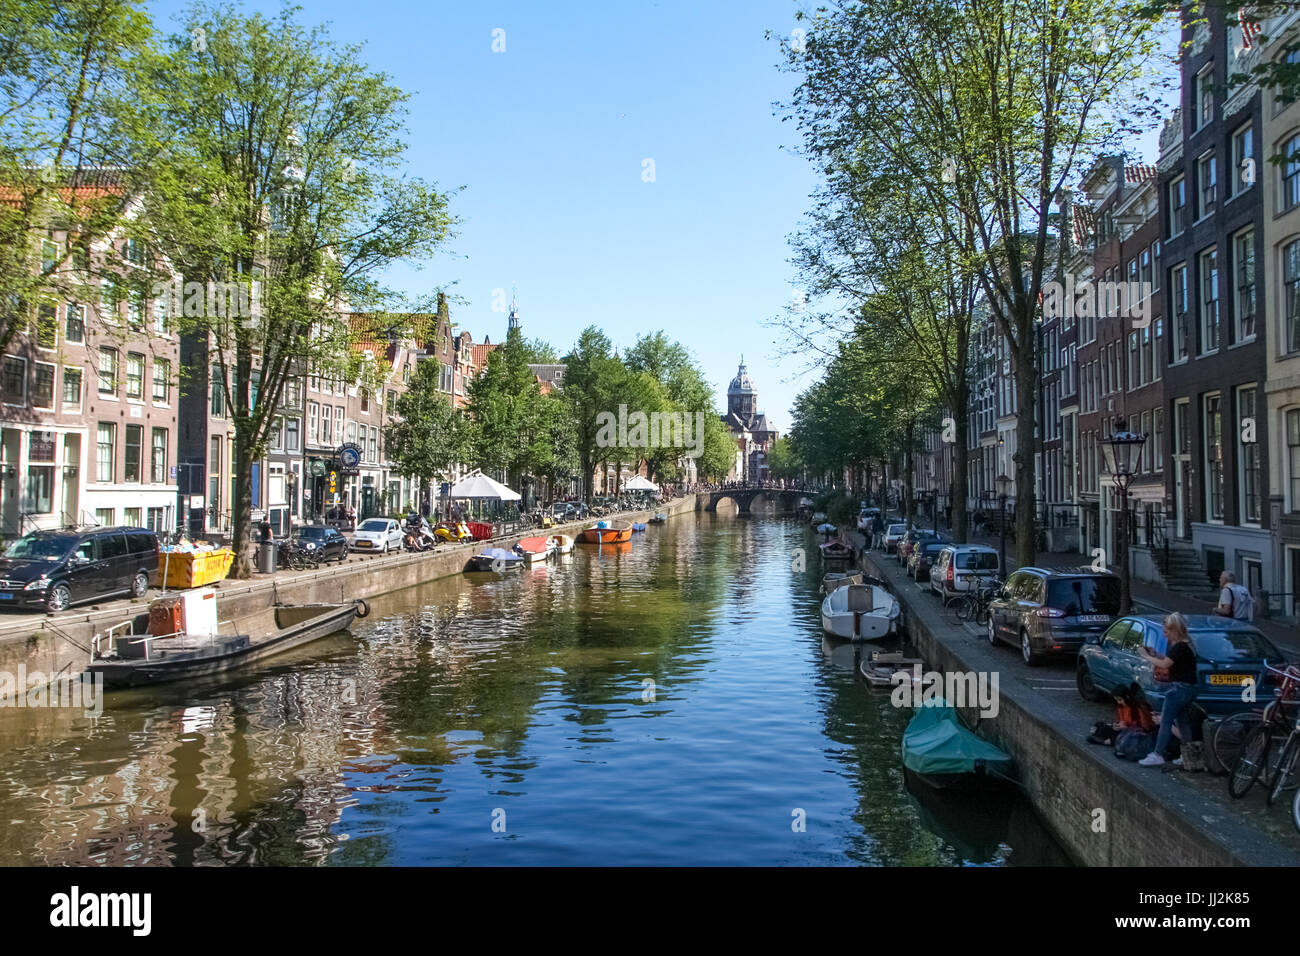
1252 764
973 606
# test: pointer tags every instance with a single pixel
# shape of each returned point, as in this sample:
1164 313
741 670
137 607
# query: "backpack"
1243 604
1134 744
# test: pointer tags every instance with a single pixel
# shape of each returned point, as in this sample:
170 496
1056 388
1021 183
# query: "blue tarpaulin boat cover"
936 743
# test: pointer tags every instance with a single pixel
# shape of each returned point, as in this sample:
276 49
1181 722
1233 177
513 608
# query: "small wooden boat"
562 543
600 533
659 518
184 640
939 749
495 559
880 668
638 526
837 579
535 549
860 612
837 550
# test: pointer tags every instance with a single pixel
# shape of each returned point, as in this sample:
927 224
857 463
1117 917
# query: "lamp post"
1003 482
1120 452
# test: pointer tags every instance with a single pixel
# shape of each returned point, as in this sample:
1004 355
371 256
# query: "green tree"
429 436
279 171
592 377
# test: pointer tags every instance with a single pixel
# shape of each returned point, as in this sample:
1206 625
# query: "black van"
57 568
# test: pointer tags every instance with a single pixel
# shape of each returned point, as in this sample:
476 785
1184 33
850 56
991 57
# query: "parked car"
1050 612
58 568
564 511
909 541
922 559
961 567
378 534
328 541
894 534
1228 652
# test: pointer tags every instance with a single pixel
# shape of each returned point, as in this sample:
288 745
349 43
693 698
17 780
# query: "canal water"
670 701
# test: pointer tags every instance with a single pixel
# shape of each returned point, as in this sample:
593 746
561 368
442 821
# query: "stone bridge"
745 495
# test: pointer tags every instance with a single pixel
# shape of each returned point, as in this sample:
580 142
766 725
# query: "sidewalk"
1156 599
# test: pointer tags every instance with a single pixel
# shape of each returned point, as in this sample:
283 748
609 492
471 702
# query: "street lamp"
1120 453
1003 483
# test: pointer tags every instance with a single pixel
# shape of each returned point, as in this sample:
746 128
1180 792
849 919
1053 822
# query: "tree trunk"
1026 536
958 490
242 506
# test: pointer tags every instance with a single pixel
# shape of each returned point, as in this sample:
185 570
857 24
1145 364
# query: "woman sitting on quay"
1180 660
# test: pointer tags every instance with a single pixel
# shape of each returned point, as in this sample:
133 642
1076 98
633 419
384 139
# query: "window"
1158 438
43 392
40 489
1291 173
46 330
338 422
158 456
218 390
134 439
133 251
292 434
326 426
1203 97
1249 455
1293 458
1207 184
104 517
162 374
104 461
135 310
365 401
1134 365
134 375
1243 149
1147 446
1291 294
352 433
1178 204
71 388
1157 348
312 429
107 371
1179 321
49 256
1146 275
160 315
374 444
1243 280
1209 266
133 517
74 325
14 382
1213 458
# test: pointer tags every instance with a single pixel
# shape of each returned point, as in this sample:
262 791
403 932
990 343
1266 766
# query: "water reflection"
667 701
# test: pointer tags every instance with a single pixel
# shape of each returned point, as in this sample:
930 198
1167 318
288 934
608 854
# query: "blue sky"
549 139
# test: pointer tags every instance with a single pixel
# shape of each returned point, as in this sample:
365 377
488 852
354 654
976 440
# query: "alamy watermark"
1089 299
39 689
227 300
651 430
955 688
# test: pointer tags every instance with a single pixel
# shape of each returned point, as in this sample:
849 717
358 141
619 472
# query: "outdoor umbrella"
639 483
478 485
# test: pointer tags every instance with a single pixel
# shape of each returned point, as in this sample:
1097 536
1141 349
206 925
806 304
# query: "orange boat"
599 535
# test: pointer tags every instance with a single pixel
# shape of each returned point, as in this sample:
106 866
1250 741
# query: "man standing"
1235 600
877 531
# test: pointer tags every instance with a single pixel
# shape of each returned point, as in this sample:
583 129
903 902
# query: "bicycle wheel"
1251 762
1295 810
965 608
1231 734
1284 775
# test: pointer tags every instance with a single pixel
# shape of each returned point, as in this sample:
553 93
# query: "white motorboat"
860 612
562 543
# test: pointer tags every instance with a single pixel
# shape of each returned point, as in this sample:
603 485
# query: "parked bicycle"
1273 722
973 606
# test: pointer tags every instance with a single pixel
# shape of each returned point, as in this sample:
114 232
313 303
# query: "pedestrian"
877 532
1180 660
1235 600
265 529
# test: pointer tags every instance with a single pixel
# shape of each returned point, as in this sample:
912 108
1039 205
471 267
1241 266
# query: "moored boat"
184 638
638 526
941 751
860 612
495 559
659 518
602 533
837 550
880 667
562 543
534 549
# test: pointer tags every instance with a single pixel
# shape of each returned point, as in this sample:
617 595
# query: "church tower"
742 397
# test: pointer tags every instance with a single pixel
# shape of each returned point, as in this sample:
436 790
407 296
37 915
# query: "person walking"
1235 600
1180 660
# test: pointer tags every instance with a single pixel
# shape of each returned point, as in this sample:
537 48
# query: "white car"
963 567
894 534
377 535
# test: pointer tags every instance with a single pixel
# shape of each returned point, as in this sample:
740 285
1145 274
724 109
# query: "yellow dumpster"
194 569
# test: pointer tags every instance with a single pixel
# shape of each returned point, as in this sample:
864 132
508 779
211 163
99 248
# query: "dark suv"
1047 612
55 569
328 541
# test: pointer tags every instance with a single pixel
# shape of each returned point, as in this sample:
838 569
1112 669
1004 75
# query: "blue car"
1228 652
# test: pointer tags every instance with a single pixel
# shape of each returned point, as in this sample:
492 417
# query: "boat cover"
936 743
492 554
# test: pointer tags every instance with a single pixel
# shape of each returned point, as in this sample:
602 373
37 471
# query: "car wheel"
1083 681
1027 651
993 632
58 597
139 584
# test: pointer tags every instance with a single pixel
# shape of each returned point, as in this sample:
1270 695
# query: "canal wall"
59 645
1102 810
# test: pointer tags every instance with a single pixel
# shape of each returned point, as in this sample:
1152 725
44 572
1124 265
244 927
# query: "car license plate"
1093 618
363 544
1235 680
6 597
